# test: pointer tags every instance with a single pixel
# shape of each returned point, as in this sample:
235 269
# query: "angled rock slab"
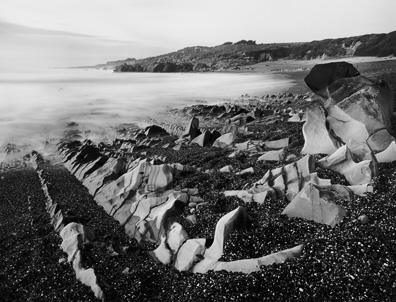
111 193
87 276
139 209
388 155
151 218
190 253
286 181
225 141
248 266
235 219
247 170
111 170
273 155
375 98
358 168
249 146
316 135
202 139
345 127
74 235
298 117
170 244
380 140
278 144
318 204
192 130
361 190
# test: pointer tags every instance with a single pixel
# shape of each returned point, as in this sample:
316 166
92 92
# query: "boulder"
317 203
192 130
368 102
203 139
225 141
322 75
155 130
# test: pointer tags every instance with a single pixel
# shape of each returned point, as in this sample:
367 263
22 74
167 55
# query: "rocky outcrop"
357 108
234 56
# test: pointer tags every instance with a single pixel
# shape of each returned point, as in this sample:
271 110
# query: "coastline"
364 248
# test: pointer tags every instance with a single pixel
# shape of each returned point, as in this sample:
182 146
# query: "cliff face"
238 55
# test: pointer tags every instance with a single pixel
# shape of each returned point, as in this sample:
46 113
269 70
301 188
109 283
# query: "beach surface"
352 256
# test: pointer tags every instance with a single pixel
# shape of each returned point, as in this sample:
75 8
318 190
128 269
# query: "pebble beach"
353 261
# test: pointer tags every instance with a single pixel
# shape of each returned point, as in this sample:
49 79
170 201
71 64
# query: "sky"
88 32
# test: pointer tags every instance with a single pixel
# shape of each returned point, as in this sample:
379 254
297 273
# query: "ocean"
36 105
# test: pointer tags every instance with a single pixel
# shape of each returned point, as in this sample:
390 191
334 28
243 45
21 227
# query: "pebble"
363 219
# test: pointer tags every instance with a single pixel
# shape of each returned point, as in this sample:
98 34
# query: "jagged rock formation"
318 203
357 108
74 236
138 194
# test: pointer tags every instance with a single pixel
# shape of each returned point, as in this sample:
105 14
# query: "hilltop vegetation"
233 56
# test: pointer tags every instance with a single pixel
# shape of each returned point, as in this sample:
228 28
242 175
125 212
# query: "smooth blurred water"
36 105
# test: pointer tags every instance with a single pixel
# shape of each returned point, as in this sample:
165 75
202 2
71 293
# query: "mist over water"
35 106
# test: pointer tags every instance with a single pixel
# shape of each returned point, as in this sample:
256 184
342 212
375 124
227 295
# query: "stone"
236 219
363 219
388 155
354 161
248 266
225 141
317 203
287 181
344 126
316 134
154 130
278 144
192 130
247 170
111 170
150 217
74 236
274 155
371 103
322 75
226 169
253 146
190 252
203 139
170 244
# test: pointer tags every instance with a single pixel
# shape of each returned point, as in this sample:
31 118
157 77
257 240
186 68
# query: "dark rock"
155 130
323 75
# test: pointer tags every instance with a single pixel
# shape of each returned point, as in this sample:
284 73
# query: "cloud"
10 28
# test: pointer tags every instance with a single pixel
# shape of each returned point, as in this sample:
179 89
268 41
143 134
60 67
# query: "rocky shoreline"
354 260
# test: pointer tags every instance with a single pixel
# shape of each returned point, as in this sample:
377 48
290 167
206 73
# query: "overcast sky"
87 32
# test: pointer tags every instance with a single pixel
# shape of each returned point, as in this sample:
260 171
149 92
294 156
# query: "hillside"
234 56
